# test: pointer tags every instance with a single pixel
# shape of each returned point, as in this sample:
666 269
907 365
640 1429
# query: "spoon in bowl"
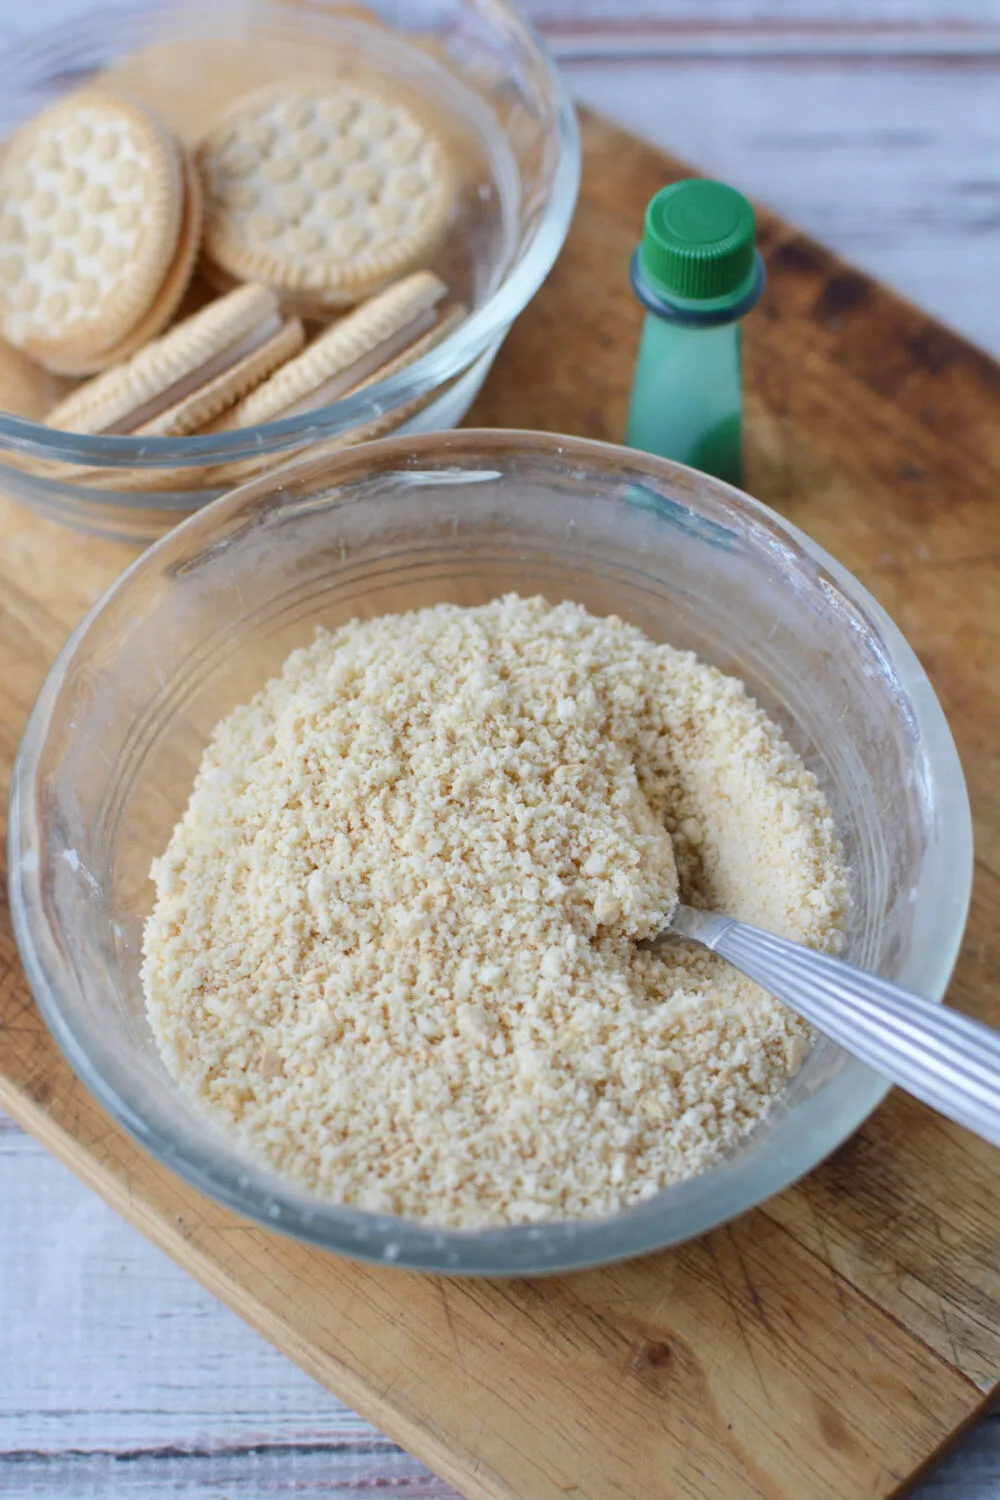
944 1058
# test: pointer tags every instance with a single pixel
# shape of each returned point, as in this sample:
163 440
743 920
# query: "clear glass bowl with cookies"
230 234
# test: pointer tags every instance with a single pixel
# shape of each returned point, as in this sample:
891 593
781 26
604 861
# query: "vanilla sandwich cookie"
176 384
324 193
92 209
343 357
167 300
390 420
224 476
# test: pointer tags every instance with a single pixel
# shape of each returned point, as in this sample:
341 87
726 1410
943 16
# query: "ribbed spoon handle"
941 1056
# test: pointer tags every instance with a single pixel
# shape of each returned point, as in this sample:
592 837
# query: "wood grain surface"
875 125
831 1342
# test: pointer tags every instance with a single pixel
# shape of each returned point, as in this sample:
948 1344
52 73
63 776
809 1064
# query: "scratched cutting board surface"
833 1342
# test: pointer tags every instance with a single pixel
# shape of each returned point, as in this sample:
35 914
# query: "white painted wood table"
874 124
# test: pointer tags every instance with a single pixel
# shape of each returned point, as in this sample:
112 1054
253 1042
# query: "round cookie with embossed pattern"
326 195
93 210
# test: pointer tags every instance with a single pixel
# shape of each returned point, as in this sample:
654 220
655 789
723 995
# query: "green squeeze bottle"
696 272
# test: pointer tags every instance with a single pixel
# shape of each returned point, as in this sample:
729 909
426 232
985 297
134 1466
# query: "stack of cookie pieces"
306 203
179 382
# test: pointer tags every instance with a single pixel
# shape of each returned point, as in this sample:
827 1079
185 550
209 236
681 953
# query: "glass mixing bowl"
206 615
472 66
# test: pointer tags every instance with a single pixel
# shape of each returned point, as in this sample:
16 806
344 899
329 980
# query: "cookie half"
390 420
325 194
355 350
214 478
227 475
91 209
186 378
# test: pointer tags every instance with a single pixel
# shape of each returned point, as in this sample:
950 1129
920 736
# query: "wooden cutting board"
833 1342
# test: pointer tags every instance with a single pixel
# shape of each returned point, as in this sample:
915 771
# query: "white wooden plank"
266 1476
116 1362
902 15
896 167
575 43
788 28
20 20
146 1358
118 1375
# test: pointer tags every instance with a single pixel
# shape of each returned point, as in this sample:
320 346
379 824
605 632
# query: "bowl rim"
483 327
558 1246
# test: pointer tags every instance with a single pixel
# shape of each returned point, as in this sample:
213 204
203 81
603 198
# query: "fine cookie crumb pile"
393 944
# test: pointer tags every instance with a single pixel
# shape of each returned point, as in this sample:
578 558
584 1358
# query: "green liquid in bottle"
686 400
697 273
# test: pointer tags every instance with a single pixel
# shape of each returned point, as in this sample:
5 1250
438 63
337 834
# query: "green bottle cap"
698 243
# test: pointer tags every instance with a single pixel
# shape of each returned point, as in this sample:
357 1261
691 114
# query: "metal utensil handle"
941 1056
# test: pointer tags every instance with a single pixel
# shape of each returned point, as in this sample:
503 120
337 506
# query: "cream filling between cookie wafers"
367 364
214 366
